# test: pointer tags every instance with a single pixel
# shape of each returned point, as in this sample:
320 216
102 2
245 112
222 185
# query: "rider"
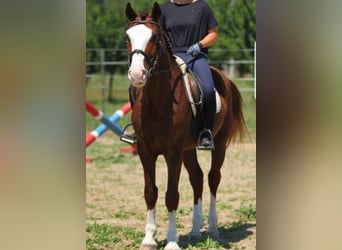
192 28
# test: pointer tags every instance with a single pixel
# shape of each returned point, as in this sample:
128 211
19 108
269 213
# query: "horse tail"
238 124
235 122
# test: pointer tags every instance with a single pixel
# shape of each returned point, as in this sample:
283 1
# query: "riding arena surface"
115 195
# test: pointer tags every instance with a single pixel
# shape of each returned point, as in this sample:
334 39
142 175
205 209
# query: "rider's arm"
210 38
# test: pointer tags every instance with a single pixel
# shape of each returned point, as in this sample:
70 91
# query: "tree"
106 24
237 29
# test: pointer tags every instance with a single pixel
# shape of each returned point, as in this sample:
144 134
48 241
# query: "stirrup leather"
126 137
200 137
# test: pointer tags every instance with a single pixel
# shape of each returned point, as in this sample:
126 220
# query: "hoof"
172 246
148 247
194 236
214 234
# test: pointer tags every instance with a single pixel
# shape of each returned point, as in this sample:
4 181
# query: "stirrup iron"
206 147
126 137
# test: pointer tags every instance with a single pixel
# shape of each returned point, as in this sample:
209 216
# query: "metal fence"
104 58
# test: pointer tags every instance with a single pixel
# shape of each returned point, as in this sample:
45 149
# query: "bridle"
152 61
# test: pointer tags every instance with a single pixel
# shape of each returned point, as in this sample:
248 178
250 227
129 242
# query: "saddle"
193 88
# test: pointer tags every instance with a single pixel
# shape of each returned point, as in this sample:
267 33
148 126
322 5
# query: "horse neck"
166 61
161 84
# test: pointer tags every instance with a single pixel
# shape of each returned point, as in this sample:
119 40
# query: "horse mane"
167 41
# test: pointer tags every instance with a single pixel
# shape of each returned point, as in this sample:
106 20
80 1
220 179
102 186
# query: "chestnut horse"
165 125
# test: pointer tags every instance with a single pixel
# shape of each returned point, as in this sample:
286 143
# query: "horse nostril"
143 72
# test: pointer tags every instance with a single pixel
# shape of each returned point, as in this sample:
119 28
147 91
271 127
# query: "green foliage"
123 214
207 243
246 214
106 24
237 30
237 23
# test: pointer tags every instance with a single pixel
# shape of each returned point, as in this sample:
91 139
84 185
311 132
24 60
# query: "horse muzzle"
138 78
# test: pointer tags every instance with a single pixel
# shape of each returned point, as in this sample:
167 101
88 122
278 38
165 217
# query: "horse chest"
156 123
159 128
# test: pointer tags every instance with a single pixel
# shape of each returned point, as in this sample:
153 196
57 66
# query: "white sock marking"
212 218
172 236
197 219
151 228
172 231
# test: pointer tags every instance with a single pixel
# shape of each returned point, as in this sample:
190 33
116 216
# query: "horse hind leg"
196 180
214 178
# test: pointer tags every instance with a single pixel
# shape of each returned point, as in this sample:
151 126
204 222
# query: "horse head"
143 43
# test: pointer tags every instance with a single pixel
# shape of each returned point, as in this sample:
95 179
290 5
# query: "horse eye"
154 38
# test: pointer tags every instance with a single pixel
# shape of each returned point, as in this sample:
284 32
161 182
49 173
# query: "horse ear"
156 12
130 13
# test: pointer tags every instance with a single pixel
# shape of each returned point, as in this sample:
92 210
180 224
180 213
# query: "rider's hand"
194 49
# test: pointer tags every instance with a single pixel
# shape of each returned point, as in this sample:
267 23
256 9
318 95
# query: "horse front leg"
196 181
174 164
151 195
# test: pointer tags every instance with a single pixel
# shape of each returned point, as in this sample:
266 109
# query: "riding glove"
194 49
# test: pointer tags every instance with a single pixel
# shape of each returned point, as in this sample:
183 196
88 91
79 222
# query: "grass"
246 214
123 214
206 243
106 236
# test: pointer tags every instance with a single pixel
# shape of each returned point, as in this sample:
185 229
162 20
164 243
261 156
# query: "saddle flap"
192 84
193 88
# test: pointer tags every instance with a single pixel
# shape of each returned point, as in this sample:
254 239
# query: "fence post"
232 68
255 70
102 59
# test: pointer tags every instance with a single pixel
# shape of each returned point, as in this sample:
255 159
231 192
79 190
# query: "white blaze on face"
139 36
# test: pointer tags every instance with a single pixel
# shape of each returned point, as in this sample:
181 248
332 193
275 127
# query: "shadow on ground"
227 236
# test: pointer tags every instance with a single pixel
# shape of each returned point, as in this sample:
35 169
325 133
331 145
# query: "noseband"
152 61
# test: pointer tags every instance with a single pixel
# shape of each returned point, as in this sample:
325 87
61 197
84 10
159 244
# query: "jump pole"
98 115
111 122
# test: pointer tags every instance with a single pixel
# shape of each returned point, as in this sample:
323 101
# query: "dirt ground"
115 192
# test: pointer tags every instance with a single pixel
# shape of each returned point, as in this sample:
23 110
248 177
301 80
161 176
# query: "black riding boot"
206 139
129 138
